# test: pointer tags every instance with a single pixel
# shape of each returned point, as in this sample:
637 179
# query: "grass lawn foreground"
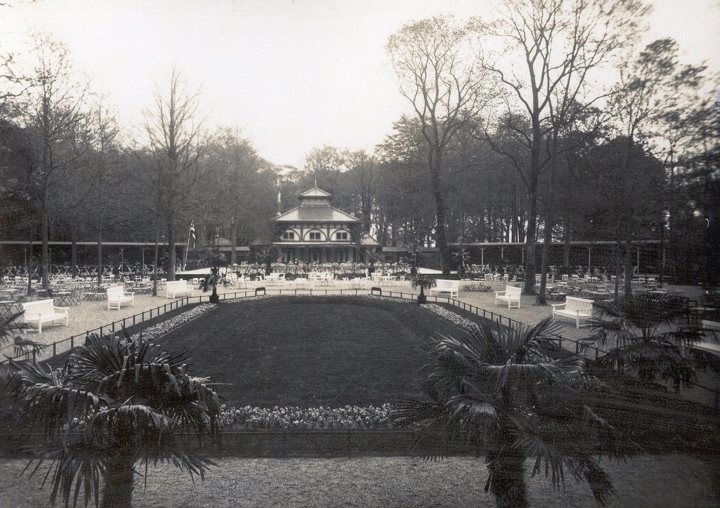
336 351
310 352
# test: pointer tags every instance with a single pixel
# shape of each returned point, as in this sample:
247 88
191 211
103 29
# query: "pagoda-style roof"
316 214
315 207
315 192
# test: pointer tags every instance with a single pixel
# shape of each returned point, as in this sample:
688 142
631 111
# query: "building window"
342 235
288 235
315 235
341 256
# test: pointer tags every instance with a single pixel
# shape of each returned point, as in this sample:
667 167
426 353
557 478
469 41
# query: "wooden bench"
44 311
446 286
116 296
175 288
574 308
511 295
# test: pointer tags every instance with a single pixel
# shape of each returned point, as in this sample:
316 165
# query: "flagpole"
187 245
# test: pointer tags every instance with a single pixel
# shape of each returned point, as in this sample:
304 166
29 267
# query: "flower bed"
297 418
451 316
477 286
294 418
167 326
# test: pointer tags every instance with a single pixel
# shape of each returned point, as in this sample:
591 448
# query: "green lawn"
307 352
334 351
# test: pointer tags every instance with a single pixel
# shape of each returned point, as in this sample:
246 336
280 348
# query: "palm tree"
9 325
498 391
422 282
115 403
637 339
210 283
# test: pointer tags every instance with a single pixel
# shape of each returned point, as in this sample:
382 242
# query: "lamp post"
662 251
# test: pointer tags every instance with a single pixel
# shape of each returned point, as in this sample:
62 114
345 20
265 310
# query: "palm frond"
9 325
71 469
556 457
48 398
177 456
643 310
114 394
599 482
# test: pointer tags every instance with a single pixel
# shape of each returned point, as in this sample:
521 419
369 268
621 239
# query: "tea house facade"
316 232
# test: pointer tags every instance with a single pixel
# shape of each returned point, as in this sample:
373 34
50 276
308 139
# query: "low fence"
576 345
64 345
312 443
138 319
272 443
282 443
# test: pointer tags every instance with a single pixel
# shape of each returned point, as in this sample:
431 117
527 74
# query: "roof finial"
316 182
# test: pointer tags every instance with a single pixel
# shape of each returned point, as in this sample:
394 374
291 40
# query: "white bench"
44 311
709 325
175 288
511 295
116 296
446 286
574 308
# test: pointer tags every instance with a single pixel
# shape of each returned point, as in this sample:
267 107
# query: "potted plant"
422 282
215 260
210 283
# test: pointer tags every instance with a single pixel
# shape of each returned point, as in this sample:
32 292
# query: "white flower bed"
314 418
254 418
451 316
169 325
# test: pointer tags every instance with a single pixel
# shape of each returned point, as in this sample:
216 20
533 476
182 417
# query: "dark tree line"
493 151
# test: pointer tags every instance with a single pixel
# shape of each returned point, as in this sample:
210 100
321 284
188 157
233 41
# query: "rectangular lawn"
312 351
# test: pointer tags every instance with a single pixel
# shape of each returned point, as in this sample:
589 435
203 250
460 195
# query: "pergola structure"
31 244
589 245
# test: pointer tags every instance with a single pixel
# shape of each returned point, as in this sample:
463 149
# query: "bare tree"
176 142
438 74
550 49
363 176
240 198
653 90
58 138
106 194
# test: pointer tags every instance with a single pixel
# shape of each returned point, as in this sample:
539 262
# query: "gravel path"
403 482
648 481
90 315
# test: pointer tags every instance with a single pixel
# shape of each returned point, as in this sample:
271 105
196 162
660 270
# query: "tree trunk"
171 249
507 470
566 247
30 269
540 300
155 261
440 233
628 268
530 269
73 258
233 242
117 492
45 250
99 258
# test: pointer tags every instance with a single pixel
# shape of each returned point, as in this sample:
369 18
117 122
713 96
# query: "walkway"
90 315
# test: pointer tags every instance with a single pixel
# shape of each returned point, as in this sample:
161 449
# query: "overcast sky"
292 75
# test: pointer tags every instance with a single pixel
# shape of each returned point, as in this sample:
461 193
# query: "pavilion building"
316 232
